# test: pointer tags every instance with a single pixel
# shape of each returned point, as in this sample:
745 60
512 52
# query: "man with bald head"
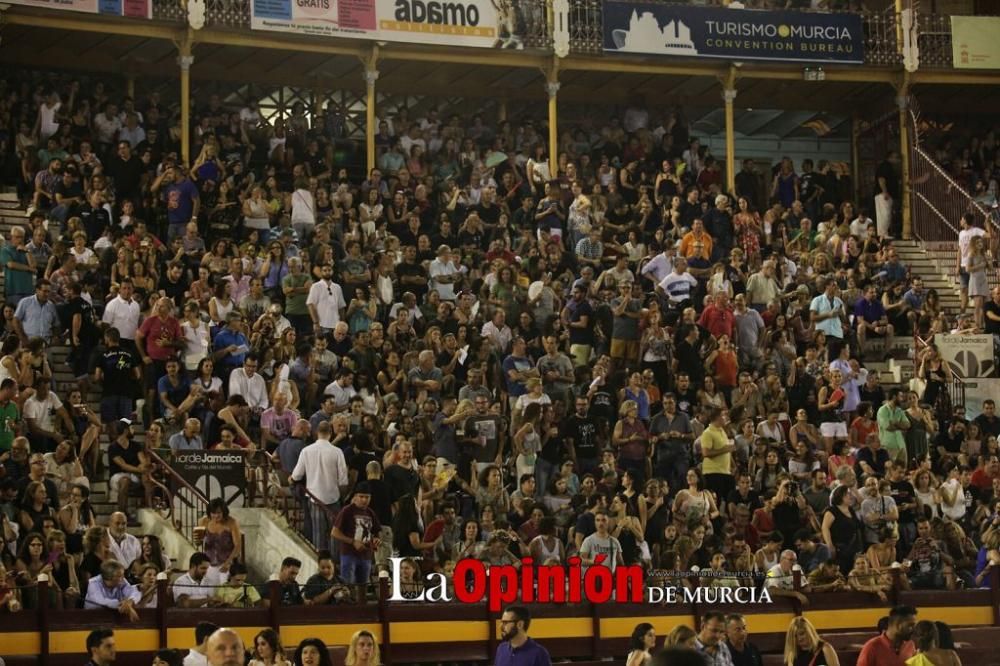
225 648
125 547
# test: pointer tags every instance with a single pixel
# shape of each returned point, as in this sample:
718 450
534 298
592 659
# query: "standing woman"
804 647
655 349
631 439
830 402
785 186
841 529
222 540
363 650
642 642
979 288
748 228
196 334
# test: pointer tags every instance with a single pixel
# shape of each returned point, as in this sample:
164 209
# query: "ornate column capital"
729 95
371 76
552 88
185 62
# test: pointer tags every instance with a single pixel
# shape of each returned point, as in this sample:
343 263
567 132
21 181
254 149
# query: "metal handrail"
186 511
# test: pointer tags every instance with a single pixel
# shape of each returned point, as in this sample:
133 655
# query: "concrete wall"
268 540
177 548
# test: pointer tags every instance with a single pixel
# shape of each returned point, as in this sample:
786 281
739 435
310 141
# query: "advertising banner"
474 23
127 8
977 390
974 42
213 473
733 34
968 355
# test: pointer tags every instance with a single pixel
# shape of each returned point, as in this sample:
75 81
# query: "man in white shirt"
246 382
196 655
324 469
341 389
123 313
124 547
325 302
679 285
196 588
969 230
444 274
659 266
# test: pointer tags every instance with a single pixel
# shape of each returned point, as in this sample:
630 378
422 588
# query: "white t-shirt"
196 343
443 268
329 301
123 315
595 545
43 411
678 286
957 510
965 237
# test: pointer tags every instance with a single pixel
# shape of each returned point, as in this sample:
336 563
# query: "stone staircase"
935 263
11 214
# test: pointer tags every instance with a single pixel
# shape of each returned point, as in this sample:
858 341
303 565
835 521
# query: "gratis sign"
732 34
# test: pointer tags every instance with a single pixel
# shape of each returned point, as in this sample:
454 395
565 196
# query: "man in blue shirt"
517 649
231 345
36 316
828 314
870 317
181 197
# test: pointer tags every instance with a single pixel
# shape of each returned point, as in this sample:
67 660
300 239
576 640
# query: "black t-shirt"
130 456
401 481
991 326
126 175
405 269
89 332
117 365
886 171
903 493
94 220
174 290
583 432
751 501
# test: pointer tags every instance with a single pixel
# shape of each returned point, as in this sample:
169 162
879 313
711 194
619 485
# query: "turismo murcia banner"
476 23
733 34
127 8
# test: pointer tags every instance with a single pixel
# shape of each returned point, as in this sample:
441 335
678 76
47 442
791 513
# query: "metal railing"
585 20
934 40
185 504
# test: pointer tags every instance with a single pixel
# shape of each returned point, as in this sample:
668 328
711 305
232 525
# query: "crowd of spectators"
472 350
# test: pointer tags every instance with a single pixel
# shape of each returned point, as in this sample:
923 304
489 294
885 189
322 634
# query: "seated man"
870 317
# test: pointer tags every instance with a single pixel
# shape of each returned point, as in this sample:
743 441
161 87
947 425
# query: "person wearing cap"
357 528
444 273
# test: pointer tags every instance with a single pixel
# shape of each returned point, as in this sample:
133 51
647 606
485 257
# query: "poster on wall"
127 8
977 390
472 23
974 42
734 34
213 474
968 355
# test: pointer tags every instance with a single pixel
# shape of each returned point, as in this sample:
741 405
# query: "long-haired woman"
363 650
268 651
804 647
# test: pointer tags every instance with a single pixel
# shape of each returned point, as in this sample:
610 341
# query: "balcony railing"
586 28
